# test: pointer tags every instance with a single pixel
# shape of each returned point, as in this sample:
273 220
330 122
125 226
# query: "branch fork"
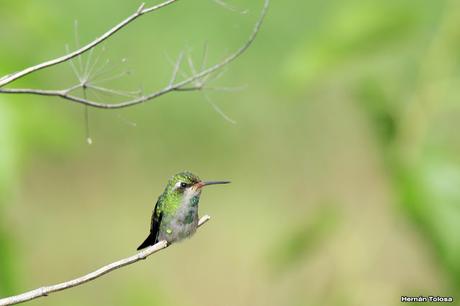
195 82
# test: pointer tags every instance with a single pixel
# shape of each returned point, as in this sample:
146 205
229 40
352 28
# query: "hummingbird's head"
188 184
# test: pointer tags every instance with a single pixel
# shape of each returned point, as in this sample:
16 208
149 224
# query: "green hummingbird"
175 215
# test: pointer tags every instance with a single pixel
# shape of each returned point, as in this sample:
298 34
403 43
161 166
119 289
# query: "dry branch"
139 12
195 82
45 291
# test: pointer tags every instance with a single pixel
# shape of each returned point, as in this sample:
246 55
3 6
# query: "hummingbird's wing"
156 221
157 215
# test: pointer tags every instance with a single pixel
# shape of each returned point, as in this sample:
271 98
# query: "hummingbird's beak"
202 184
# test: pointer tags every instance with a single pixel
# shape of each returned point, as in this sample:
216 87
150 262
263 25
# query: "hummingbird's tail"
151 240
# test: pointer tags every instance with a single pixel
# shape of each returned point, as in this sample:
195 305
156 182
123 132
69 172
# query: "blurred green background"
344 158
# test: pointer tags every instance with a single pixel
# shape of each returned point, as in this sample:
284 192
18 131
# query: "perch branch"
194 82
45 291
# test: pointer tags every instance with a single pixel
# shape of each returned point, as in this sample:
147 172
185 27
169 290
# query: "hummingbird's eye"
183 185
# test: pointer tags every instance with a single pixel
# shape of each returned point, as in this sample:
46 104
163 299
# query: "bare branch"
45 291
195 82
114 91
227 89
141 11
204 59
176 70
229 7
218 109
141 8
191 65
173 64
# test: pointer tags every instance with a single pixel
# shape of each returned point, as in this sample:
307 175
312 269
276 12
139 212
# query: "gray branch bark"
140 11
197 81
45 291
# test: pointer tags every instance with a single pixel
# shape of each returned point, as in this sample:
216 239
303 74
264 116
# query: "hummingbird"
175 215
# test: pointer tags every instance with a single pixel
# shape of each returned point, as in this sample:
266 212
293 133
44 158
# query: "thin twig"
218 109
197 79
176 69
139 12
45 291
229 7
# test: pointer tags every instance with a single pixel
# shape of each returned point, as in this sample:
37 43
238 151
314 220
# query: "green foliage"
308 237
398 103
8 164
8 152
391 67
352 33
8 273
375 102
23 129
430 196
